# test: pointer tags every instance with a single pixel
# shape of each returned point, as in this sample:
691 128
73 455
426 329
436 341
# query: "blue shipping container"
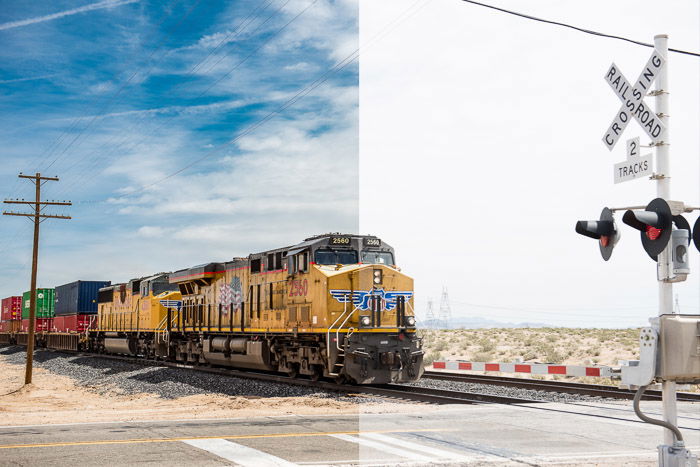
79 297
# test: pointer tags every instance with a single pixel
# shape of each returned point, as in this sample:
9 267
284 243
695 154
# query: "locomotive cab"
368 318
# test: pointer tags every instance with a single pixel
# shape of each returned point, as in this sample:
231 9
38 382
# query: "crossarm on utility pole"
41 216
45 203
38 177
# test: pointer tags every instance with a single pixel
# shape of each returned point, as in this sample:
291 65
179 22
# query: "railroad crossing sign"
635 166
633 101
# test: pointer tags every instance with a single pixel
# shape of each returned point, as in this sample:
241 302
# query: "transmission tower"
430 315
445 314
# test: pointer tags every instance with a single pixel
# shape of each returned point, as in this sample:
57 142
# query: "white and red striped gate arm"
528 368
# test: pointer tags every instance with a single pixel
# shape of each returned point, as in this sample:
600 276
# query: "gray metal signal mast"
670 347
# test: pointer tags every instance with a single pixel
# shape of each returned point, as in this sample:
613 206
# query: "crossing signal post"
667 348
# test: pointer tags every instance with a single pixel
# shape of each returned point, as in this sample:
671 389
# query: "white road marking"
382 447
241 455
420 448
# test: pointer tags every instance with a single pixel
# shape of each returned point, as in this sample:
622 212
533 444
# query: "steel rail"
394 391
566 387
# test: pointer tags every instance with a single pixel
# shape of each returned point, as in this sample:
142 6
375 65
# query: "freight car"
333 306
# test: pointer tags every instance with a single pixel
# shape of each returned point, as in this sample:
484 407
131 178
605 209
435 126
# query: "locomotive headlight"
377 276
410 321
365 321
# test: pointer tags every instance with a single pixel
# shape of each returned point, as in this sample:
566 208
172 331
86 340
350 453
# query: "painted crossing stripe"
238 453
531 368
395 451
404 448
438 454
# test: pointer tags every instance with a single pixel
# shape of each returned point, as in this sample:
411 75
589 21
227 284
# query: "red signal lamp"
653 233
655 224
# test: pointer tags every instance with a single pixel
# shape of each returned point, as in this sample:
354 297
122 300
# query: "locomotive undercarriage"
363 358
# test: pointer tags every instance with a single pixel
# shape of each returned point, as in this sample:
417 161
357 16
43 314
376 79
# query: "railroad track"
393 391
412 393
555 386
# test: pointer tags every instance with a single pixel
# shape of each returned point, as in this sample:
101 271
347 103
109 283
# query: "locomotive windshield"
328 256
377 257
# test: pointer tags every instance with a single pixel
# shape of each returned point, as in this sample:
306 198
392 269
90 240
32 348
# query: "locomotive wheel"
293 371
318 372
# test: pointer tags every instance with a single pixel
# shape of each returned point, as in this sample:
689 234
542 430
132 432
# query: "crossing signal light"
696 234
604 230
655 224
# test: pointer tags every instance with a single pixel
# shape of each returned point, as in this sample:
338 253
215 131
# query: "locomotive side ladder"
339 362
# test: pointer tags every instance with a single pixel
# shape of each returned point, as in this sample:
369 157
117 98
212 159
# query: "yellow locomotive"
332 306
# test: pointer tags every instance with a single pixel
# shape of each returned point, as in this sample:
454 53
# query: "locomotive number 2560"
340 240
298 288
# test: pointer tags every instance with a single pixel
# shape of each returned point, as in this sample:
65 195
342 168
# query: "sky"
177 130
480 148
468 139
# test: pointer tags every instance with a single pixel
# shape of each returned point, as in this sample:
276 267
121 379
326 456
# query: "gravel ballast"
533 394
109 376
105 376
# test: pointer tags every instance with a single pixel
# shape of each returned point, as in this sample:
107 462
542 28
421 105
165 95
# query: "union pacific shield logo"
362 299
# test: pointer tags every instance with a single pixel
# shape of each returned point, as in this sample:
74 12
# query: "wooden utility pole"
38 217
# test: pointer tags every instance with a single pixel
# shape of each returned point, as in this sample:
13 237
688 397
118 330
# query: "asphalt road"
453 435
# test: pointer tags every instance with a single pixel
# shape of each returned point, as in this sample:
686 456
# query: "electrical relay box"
679 348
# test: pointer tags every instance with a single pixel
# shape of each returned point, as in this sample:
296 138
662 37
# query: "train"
334 306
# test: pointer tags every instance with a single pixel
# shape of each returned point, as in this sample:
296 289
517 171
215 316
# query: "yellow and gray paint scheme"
335 305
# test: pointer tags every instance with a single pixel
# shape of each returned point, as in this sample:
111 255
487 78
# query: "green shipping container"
44 303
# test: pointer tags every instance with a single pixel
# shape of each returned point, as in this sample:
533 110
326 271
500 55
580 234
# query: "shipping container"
74 323
42 325
44 303
79 297
11 308
10 326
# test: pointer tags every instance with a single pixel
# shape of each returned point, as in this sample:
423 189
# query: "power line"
57 142
110 101
576 28
389 27
114 148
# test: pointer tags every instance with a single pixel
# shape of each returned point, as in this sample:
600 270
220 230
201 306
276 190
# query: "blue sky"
117 96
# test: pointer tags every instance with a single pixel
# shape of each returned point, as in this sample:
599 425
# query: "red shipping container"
74 323
9 326
11 308
41 325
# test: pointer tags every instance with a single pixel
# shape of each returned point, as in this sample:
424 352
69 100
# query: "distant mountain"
477 322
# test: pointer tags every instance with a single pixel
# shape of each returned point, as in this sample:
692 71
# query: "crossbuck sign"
633 101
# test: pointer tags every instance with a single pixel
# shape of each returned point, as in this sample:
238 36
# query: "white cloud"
62 14
300 66
173 109
149 231
31 78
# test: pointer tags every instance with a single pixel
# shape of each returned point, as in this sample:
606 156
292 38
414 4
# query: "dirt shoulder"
83 397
